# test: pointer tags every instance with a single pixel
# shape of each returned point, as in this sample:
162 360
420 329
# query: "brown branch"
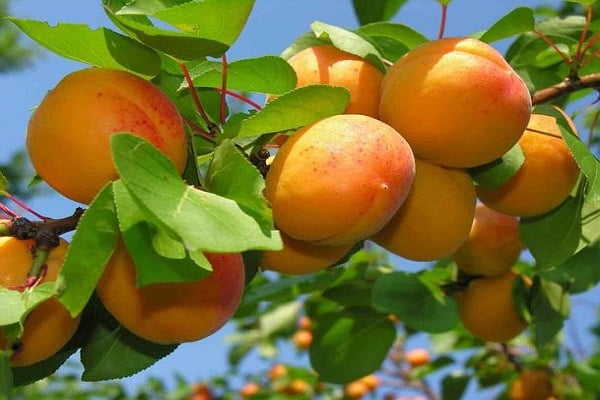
565 87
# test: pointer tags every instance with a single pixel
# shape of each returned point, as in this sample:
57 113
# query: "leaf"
517 21
292 110
350 344
554 237
3 184
496 173
6 378
454 385
90 249
100 47
550 307
139 236
407 296
368 11
12 307
267 74
588 163
403 34
580 272
218 20
200 220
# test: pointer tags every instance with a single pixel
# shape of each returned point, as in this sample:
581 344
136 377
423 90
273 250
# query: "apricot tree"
198 212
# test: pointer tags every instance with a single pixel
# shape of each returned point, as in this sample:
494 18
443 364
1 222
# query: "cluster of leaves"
350 305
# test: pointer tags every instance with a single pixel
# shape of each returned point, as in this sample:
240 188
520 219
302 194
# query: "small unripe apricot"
456 101
546 178
68 137
436 217
329 65
339 180
493 246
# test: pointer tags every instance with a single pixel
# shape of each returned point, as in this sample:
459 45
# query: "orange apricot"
301 257
329 65
49 326
302 338
249 389
356 389
417 357
436 217
68 133
456 101
277 371
531 385
339 180
493 246
546 178
172 312
487 309
372 381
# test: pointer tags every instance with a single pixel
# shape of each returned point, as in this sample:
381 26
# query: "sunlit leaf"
3 184
517 21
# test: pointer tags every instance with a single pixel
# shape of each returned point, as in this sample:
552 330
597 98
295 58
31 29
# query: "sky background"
272 26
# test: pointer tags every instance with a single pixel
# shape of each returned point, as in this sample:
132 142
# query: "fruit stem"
186 74
224 89
199 130
241 98
25 207
4 209
550 43
584 31
38 267
443 21
568 85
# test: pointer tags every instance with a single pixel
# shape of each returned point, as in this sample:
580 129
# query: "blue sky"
273 25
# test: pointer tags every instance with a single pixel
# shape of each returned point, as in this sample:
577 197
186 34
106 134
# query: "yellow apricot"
68 133
436 217
49 326
329 65
172 312
301 257
487 309
339 180
456 101
531 385
493 246
546 178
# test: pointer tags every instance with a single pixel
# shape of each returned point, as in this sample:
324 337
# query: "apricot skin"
436 217
493 246
68 133
456 101
172 312
531 385
339 180
546 178
329 65
49 326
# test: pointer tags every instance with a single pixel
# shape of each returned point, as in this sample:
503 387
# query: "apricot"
49 326
249 389
456 101
546 178
302 339
356 390
68 133
487 309
493 246
436 217
301 257
339 180
531 385
172 312
329 65
417 357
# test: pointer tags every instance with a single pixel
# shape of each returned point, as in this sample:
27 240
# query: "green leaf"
554 237
517 21
444 2
6 378
579 273
140 237
403 34
112 352
588 163
407 296
304 41
292 110
348 41
179 45
350 344
454 385
368 11
496 173
3 184
549 307
218 20
200 220
12 306
100 47
267 74
90 249
231 175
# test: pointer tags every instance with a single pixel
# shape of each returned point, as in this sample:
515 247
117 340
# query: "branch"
565 87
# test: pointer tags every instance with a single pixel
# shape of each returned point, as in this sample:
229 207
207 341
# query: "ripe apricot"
249 389
172 312
436 217
356 390
68 133
417 357
302 338
49 326
531 385
456 101
339 180
546 178
372 381
493 246
277 371
329 65
487 309
200 391
301 257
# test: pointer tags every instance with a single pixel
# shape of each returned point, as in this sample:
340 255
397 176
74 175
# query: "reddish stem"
443 21
199 130
193 93
241 98
26 207
8 211
224 89
584 31
550 43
